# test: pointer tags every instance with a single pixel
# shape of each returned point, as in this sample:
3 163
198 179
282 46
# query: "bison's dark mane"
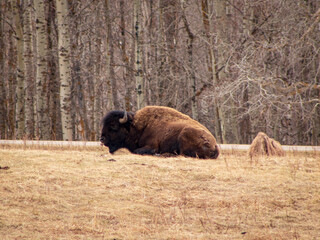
114 116
111 116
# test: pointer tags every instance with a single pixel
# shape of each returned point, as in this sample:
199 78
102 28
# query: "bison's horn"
124 119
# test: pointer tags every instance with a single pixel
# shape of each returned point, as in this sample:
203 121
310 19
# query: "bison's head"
115 132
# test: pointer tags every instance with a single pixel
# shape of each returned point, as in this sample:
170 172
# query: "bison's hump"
155 114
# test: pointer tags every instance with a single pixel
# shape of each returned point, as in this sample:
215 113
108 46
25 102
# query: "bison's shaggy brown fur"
165 122
158 130
155 115
262 145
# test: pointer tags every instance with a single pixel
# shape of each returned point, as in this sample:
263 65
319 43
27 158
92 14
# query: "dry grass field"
52 193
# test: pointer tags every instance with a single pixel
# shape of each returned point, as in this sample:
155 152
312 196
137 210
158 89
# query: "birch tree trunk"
112 75
64 68
110 102
153 52
244 124
11 79
29 77
221 17
41 71
3 109
97 81
160 55
191 77
20 69
138 56
125 59
212 67
53 80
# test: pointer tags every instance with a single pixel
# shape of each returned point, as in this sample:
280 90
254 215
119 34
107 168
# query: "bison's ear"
130 116
127 125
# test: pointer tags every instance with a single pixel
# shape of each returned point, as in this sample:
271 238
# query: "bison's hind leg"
188 142
198 143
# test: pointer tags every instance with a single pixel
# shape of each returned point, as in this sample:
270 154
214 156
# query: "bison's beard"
112 149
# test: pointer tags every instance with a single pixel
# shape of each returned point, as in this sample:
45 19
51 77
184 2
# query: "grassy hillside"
89 194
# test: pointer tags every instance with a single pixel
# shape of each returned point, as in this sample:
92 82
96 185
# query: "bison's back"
154 115
167 130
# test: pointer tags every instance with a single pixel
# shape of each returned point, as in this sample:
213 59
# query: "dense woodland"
237 66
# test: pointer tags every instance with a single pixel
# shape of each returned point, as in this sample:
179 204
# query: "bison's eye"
114 127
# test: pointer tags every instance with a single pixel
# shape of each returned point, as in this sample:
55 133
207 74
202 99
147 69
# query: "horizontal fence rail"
244 147
287 148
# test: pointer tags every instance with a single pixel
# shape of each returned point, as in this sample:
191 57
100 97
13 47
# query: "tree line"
237 66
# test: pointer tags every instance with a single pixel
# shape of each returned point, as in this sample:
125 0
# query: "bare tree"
240 67
244 118
212 65
20 68
138 56
97 81
28 57
110 102
10 75
53 80
3 110
41 71
127 72
191 74
62 7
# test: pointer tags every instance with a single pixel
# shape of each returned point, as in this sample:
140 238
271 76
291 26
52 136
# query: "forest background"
237 66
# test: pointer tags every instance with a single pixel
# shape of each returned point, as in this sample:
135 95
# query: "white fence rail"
245 147
291 148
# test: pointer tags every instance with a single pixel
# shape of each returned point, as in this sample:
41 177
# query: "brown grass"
263 145
73 194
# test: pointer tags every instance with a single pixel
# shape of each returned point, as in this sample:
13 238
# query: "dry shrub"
262 145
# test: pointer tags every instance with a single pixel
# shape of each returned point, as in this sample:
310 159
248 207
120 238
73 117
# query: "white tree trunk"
127 74
64 68
97 81
28 66
138 56
191 77
20 70
3 94
110 103
41 71
221 17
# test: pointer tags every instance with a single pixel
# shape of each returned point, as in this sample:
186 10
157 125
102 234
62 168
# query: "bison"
157 130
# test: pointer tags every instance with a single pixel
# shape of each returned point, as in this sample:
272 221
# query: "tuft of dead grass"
73 194
263 145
